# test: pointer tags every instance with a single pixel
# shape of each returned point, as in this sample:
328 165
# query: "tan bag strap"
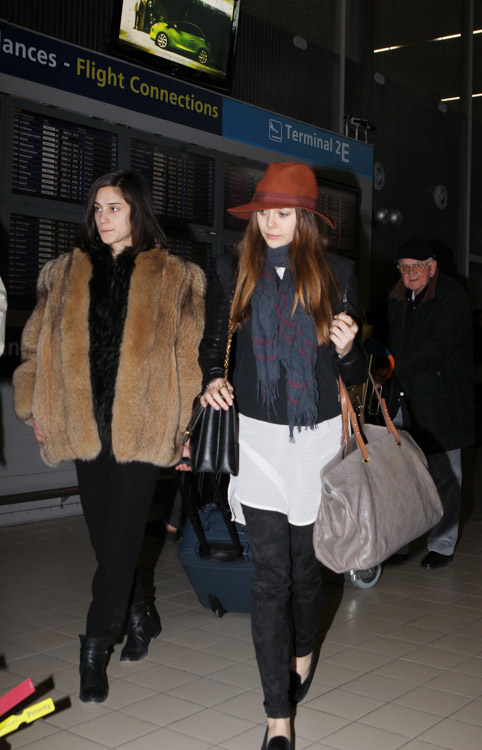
386 416
345 419
348 414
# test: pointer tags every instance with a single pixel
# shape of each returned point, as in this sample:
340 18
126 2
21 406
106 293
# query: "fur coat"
158 374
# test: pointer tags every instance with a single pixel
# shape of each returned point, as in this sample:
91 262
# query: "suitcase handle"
196 521
192 513
226 511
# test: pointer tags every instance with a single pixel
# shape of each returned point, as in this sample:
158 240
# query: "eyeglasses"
417 267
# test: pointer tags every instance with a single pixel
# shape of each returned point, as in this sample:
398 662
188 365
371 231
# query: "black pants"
116 499
287 579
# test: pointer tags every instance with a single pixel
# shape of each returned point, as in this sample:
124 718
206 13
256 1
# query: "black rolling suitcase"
213 550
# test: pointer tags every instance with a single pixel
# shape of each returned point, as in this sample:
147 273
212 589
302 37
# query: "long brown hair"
315 284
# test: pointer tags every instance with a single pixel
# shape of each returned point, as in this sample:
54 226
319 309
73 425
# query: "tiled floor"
400 663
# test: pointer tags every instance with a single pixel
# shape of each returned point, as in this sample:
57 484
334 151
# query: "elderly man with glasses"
429 333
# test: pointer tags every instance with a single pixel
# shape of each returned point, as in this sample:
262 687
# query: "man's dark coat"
432 347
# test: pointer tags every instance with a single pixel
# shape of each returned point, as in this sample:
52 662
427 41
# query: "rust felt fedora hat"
285 184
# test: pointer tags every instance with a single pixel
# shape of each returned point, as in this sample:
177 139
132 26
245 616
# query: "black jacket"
212 350
433 376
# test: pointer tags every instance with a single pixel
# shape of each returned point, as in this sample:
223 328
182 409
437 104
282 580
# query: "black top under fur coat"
352 366
109 290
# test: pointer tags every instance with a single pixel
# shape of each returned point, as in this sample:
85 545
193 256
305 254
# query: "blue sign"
35 57
40 58
243 122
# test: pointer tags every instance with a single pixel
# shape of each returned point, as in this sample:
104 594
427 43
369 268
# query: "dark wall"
86 23
417 146
272 73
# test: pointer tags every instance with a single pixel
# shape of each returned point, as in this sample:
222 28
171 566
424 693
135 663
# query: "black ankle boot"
143 624
94 655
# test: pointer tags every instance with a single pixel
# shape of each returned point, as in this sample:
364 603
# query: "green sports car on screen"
182 37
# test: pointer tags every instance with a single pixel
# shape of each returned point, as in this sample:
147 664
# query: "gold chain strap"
228 346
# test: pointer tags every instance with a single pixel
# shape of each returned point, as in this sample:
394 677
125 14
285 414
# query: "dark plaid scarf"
282 342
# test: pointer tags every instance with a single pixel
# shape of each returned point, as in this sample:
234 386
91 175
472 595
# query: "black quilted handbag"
213 435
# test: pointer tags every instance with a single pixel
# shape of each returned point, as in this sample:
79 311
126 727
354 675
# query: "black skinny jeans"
116 499
287 577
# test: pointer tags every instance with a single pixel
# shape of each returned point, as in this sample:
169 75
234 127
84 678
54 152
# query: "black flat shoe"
275 743
435 560
298 690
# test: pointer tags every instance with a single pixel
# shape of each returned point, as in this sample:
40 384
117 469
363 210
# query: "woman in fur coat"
108 375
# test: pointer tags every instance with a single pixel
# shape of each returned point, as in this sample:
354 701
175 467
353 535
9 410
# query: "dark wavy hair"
145 229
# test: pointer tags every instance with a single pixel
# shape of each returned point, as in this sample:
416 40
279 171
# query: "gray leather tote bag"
377 494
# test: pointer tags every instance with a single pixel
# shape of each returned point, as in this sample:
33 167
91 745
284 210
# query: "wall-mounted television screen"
189 39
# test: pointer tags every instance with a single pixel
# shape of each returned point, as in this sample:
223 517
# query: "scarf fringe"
306 421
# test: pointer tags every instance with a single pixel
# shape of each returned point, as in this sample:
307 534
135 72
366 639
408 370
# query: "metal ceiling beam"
466 84
338 109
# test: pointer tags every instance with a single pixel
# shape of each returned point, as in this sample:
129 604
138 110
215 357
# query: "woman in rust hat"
294 309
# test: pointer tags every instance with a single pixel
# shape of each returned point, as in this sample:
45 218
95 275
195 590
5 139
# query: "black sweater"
243 375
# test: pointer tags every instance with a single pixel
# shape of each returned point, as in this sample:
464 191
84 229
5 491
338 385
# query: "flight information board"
192 250
33 241
182 183
341 205
239 186
58 159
